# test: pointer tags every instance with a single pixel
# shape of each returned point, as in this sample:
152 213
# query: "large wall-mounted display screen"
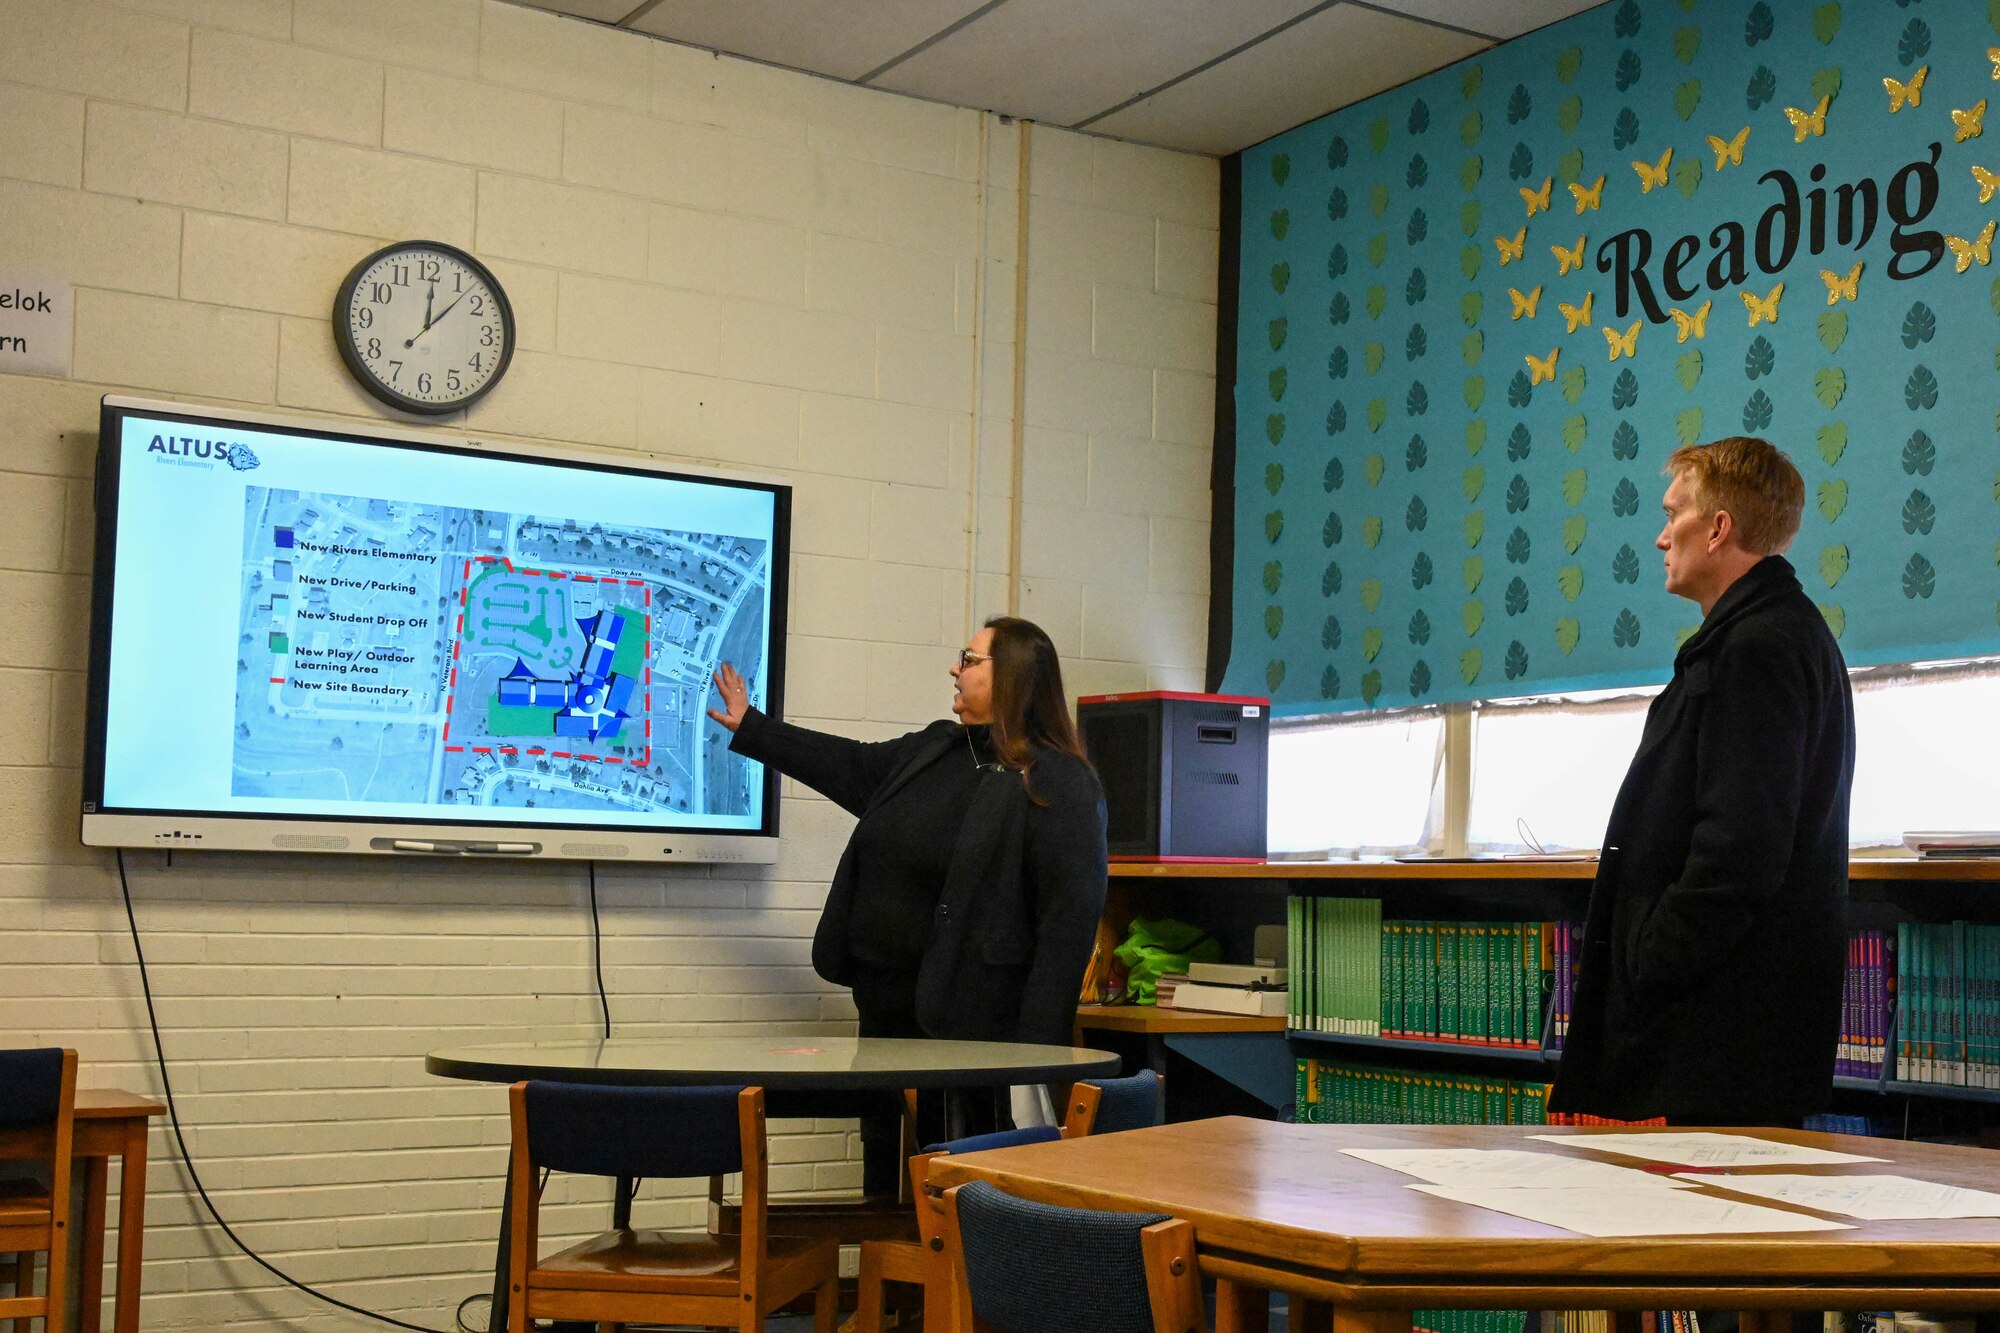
308 635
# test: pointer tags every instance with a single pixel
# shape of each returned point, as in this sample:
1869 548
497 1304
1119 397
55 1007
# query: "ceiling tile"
1058 61
1333 59
1493 18
842 38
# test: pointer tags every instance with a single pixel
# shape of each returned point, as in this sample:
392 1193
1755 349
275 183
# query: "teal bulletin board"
1478 312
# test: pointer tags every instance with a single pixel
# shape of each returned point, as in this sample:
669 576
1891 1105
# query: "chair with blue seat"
1137 1101
626 1275
37 1123
1026 1267
1093 1106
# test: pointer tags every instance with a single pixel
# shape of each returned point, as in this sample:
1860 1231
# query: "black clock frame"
356 366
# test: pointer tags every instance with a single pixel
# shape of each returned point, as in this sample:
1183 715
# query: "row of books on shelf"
1867 999
1338 1092
1948 1003
1478 982
1469 1321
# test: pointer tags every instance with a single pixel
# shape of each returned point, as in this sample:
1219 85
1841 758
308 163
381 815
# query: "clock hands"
429 297
431 320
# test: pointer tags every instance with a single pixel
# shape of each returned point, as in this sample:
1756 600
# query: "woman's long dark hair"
1030 710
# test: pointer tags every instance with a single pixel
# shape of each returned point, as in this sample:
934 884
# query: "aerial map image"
392 651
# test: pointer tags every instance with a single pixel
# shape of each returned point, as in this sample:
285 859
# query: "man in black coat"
1715 942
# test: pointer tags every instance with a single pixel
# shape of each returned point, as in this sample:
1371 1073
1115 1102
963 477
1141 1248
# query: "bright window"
1545 770
1927 742
1343 786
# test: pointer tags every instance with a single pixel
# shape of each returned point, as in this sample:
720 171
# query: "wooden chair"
1024 1267
715 1280
921 1262
38 1098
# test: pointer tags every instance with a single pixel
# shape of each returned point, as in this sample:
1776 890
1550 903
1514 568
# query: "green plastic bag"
1154 948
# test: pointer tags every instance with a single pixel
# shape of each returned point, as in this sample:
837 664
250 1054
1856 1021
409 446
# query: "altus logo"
238 456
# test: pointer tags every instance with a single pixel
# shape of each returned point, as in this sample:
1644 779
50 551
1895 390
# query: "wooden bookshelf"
1150 1019
1908 869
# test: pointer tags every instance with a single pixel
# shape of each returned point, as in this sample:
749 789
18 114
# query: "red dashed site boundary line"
458 640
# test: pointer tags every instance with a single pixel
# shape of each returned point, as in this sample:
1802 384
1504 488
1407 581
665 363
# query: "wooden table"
1278 1207
109 1123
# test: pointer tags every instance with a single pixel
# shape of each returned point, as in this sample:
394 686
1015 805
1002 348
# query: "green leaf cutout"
1833 563
1575 528
1568 632
1688 370
1371 644
1830 386
1569 581
1832 439
1832 499
1832 328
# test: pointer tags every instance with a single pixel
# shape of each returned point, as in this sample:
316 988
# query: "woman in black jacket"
966 901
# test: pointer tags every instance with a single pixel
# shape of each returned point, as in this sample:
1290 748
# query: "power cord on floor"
187 1159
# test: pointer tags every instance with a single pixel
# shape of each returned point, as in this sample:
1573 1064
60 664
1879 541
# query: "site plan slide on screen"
471 660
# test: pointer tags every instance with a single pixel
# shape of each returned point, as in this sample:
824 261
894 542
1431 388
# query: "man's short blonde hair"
1753 480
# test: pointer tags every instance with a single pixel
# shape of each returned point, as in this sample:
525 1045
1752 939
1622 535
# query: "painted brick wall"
712 262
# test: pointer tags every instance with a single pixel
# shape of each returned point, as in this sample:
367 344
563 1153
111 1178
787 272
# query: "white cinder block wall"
712 262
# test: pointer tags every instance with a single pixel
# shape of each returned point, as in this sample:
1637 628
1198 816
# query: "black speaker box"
1183 774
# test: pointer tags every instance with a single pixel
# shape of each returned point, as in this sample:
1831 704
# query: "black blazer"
1019 909
1716 937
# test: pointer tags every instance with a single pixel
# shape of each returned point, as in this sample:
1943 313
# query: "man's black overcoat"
1716 938
1019 910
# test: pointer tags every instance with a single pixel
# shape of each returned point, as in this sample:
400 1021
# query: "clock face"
424 326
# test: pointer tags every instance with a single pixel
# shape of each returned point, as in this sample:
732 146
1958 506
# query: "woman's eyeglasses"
967 659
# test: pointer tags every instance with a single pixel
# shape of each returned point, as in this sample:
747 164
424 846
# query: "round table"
784 1062
777 1062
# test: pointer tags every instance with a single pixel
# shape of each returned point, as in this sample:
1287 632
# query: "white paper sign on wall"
36 326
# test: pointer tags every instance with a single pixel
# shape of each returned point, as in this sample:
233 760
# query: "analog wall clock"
424 326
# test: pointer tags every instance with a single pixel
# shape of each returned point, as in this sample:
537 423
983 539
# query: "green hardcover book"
1336 934
1483 934
1432 961
1537 973
1371 991
1449 1025
1300 1081
1293 1004
1401 977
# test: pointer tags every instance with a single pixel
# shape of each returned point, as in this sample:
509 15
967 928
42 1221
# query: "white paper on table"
1633 1212
1870 1198
1499 1168
1704 1148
